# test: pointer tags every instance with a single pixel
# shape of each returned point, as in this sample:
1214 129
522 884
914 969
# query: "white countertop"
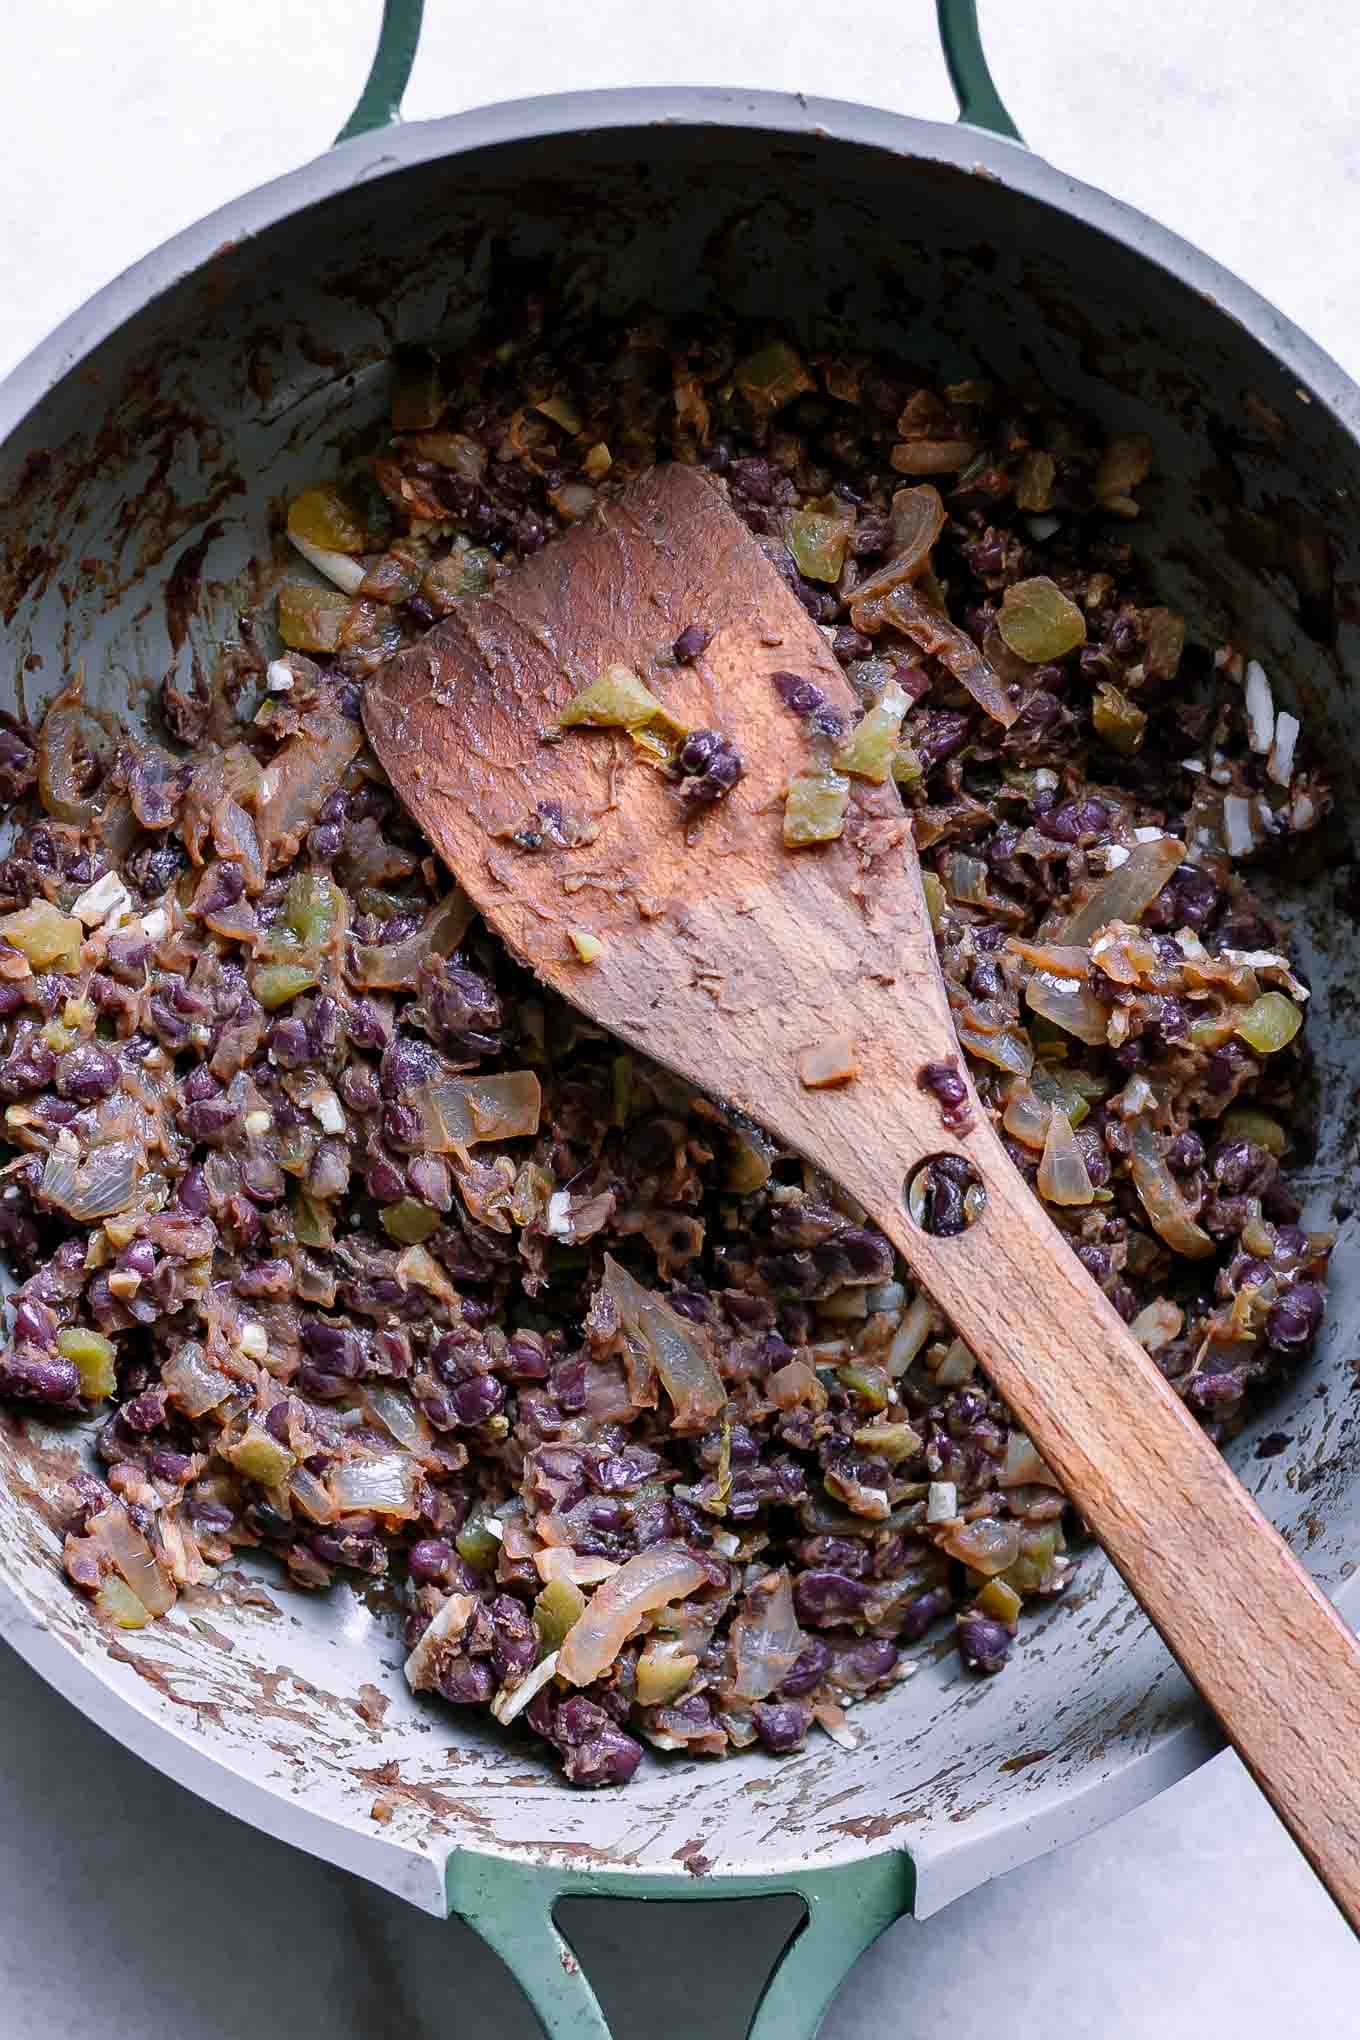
131 1908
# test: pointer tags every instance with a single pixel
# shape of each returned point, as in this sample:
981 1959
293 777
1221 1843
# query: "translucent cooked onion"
309 1495
302 776
105 1183
1063 1175
988 1545
965 879
451 1619
558 1562
987 1030
1168 1213
656 1577
918 518
386 1486
657 1337
196 1385
398 1415
766 1639
942 640
61 753
132 1558
1069 1004
1026 1116
464 1111
1023 1466
1062 959
1122 895
392 966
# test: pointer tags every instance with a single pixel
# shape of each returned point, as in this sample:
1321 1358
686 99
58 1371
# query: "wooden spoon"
728 958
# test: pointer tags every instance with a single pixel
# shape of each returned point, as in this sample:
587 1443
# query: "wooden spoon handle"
1270 1654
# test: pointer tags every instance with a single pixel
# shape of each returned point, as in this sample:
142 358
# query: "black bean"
983 1645
690 643
476 1400
52 1380
781 1725
211 1119
1185 1153
1294 1320
468 1682
824 1598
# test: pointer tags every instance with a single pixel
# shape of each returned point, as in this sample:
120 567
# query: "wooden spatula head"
725 955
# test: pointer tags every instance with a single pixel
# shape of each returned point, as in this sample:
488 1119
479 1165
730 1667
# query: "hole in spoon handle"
944 1194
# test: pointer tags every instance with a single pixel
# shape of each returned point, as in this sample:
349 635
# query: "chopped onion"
828 1063
958 1365
830 1715
302 776
1023 1466
131 1556
60 752
196 1385
1061 959
560 1562
942 1502
387 1486
1280 764
343 572
398 1415
1069 1004
392 966
463 1112
985 1029
1063 1176
512 1700
918 518
106 1183
965 879
790 1385
1122 895
422 1666
658 1338
307 1491
108 899
940 639
987 1544
1239 831
1026 1116
1156 1323
1161 1197
1260 706
656 1577
766 1639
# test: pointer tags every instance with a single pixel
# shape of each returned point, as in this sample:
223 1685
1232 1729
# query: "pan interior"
143 502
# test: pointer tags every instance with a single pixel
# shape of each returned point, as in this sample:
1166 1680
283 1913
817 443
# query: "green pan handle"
511 1906
979 101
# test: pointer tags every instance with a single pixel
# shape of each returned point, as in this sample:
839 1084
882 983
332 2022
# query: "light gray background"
130 1908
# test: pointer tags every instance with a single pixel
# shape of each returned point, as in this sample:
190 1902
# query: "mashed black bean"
353 1246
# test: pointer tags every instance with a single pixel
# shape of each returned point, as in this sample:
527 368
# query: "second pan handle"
980 104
